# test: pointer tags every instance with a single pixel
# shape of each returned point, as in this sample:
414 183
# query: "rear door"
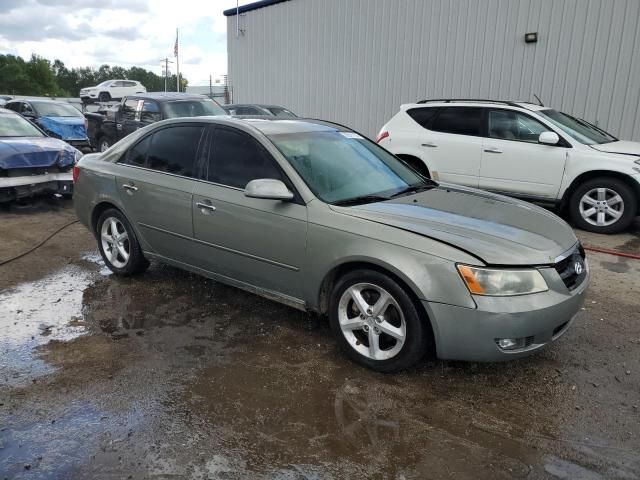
259 242
454 144
514 162
155 184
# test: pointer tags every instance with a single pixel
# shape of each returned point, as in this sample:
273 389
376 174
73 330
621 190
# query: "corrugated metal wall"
356 61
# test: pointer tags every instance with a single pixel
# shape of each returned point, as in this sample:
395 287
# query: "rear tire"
386 336
104 143
603 205
119 245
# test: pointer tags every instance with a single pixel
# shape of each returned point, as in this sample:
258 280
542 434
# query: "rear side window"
423 116
237 159
174 149
137 154
459 120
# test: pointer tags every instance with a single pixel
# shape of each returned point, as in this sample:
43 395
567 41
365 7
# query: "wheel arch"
591 174
101 207
339 270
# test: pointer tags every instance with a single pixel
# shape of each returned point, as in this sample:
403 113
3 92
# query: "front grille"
566 268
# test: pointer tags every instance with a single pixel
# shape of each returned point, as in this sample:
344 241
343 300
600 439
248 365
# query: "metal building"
356 61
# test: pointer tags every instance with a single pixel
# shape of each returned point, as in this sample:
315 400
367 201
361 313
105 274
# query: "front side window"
237 159
512 125
192 108
340 167
16 126
174 149
459 120
129 109
580 130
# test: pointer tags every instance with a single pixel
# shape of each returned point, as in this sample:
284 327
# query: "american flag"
175 47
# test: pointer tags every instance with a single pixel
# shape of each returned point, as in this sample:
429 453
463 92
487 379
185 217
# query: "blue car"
58 119
30 161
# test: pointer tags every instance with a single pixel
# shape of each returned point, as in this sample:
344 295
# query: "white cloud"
120 32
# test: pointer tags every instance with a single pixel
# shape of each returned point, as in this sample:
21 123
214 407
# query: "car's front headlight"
502 282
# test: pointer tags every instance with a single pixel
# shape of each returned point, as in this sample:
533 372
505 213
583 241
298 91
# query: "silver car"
313 215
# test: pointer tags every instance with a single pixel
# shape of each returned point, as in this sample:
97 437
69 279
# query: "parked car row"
315 216
522 150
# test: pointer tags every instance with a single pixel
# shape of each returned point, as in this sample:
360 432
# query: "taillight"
382 136
76 173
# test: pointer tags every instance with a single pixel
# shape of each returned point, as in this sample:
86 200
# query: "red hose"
612 252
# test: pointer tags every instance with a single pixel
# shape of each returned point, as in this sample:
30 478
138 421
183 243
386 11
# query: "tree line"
40 77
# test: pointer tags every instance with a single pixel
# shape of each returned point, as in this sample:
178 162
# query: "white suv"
111 90
523 150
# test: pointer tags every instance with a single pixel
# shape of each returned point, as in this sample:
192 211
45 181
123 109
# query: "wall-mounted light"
531 37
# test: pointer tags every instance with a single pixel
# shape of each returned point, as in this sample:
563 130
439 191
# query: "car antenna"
538 99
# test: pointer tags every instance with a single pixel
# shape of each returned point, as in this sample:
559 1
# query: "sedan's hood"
621 146
35 153
496 229
67 128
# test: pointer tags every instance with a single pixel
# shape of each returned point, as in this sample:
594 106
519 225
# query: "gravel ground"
170 375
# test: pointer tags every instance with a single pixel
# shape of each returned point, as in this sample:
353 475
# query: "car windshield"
46 109
578 129
281 112
344 167
16 126
193 108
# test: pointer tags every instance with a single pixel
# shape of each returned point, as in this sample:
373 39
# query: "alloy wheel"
601 207
115 242
372 321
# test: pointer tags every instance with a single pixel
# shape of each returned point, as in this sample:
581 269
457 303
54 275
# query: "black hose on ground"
4 262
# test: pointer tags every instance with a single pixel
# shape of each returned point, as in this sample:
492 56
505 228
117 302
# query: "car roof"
167 96
254 105
265 124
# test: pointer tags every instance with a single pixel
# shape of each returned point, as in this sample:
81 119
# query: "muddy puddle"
170 375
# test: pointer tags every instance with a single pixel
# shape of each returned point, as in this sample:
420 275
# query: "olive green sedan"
313 215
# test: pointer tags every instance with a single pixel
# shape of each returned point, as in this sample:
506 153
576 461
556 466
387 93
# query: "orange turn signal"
470 279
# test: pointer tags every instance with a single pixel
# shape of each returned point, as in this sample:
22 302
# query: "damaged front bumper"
12 188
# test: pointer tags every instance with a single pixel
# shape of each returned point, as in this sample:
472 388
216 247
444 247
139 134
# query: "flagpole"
177 64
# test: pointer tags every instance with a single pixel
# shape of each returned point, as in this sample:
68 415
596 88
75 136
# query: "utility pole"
166 71
210 88
177 64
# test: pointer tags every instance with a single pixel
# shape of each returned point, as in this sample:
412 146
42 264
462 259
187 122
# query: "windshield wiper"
360 200
415 189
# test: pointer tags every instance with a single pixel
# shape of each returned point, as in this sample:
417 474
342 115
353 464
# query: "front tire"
119 245
603 205
376 322
104 97
104 143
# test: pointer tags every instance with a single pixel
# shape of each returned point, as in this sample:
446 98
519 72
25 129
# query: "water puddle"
36 313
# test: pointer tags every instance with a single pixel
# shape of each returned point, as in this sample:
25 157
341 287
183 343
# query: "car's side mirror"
268 189
549 138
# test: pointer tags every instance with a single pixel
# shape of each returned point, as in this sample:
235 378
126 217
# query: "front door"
454 145
155 185
130 118
514 162
258 242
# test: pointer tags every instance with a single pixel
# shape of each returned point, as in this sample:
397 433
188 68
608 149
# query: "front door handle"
205 208
493 150
429 144
130 188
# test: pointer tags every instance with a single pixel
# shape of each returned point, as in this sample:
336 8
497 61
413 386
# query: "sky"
120 32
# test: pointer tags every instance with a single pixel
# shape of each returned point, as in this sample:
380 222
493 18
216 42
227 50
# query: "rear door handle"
205 207
131 188
429 144
493 150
